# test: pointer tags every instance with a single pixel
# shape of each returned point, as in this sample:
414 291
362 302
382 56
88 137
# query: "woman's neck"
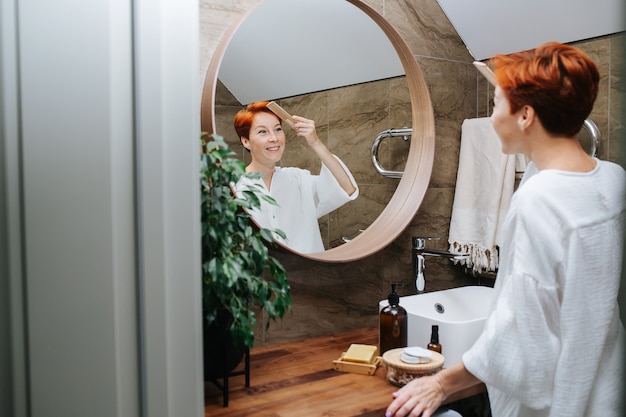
563 153
266 171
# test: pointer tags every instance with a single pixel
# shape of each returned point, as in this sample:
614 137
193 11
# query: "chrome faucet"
419 250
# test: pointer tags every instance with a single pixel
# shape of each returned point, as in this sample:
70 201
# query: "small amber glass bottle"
434 339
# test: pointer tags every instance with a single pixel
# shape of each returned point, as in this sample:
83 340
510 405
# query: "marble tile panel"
378 5
452 87
226 106
426 29
484 96
312 316
216 17
357 215
598 51
447 149
356 115
398 262
437 209
223 96
327 297
453 93
617 103
400 112
400 102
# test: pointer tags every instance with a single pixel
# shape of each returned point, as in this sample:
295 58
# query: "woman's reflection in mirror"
301 197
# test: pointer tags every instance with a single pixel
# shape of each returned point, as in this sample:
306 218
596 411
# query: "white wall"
100 208
490 27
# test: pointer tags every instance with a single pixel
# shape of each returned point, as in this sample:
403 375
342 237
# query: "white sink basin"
460 314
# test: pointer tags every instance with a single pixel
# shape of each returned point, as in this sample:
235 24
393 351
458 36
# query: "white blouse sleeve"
328 193
519 346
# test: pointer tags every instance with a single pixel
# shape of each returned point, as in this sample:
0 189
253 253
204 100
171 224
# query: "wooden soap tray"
355 367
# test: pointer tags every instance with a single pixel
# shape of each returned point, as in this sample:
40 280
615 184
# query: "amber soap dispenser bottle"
392 323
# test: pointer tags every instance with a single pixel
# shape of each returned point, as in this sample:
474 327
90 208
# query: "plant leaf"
235 258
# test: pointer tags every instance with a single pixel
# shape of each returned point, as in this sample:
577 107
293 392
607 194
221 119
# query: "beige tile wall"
335 297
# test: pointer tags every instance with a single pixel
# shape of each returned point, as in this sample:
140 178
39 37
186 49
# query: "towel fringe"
480 259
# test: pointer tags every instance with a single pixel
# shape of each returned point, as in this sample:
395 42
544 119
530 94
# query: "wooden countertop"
297 379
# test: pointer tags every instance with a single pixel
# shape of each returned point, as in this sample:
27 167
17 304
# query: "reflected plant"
238 273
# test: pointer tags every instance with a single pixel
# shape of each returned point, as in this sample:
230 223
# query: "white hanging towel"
484 186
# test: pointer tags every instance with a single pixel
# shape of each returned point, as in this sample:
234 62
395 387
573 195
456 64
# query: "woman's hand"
420 397
306 129
423 396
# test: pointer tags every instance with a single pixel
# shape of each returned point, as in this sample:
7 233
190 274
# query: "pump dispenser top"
393 322
393 297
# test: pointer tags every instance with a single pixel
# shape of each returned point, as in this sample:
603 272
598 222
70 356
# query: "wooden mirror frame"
412 187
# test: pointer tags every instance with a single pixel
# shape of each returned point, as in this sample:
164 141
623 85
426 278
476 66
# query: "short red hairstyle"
245 117
559 81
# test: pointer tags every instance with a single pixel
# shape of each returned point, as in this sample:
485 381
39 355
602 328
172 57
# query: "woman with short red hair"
301 197
552 344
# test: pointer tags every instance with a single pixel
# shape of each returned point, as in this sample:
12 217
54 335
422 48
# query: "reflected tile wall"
335 297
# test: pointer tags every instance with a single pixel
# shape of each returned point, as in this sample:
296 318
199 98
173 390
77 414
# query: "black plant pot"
222 354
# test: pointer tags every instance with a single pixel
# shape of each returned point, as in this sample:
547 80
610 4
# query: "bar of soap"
361 353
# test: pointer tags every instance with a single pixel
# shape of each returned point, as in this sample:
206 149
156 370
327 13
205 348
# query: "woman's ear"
526 117
245 142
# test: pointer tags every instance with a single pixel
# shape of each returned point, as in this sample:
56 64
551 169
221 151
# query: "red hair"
245 117
559 81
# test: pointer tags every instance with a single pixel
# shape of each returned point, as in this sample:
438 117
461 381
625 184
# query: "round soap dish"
400 373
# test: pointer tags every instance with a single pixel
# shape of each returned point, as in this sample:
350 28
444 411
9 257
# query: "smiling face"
267 139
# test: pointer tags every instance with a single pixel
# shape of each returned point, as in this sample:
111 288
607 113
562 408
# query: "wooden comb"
280 112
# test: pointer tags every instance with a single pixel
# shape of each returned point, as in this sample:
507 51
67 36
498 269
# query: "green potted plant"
239 276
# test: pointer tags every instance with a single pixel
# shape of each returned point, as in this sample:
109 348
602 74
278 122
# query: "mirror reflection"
347 116
299 197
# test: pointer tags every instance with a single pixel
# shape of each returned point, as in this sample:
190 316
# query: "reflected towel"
484 186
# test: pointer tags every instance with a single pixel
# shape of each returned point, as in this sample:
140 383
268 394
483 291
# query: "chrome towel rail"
405 133
594 132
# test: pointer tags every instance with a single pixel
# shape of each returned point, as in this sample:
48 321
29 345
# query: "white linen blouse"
302 198
553 343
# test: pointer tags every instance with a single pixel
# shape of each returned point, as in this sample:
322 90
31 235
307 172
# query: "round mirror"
349 115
